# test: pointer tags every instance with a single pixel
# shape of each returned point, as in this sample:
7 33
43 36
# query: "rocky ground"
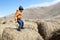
33 30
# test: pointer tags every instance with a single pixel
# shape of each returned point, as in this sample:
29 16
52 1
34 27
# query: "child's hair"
21 8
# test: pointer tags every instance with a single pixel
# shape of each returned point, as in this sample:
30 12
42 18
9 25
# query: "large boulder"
24 34
13 24
47 27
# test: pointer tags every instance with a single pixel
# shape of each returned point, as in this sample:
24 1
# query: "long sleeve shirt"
18 15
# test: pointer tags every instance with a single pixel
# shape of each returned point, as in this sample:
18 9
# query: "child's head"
21 8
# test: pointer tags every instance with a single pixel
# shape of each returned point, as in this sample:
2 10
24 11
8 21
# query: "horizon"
10 6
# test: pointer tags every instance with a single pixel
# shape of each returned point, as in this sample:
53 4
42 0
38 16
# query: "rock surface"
10 23
47 27
31 25
24 34
3 26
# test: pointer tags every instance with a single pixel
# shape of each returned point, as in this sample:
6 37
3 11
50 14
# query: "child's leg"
20 24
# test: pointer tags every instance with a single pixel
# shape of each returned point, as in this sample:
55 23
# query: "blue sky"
9 6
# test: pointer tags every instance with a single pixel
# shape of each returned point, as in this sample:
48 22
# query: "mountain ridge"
40 12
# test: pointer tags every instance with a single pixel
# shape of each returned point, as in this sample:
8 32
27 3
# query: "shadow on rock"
56 35
41 30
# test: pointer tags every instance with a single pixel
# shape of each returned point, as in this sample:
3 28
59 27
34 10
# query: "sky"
8 7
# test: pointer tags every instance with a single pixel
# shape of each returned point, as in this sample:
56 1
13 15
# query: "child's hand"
15 20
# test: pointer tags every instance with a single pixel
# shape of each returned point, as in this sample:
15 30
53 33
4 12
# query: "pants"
21 24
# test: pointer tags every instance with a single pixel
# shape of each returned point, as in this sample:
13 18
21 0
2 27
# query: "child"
18 17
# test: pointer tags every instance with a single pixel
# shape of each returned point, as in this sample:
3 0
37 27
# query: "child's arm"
15 17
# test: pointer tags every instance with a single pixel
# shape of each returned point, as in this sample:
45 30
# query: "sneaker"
18 30
22 27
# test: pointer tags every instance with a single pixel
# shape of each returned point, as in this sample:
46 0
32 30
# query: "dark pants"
21 24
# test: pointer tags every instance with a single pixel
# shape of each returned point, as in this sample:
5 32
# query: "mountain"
43 12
